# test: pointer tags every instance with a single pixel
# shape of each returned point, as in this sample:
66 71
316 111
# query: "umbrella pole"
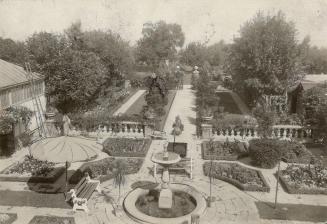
66 165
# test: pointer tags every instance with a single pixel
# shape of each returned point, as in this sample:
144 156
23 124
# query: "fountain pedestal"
165 159
166 195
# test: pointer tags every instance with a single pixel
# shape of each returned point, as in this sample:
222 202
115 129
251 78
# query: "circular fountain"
168 203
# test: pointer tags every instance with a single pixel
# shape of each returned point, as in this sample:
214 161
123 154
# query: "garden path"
129 102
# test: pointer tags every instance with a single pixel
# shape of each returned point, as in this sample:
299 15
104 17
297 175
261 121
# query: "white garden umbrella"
65 149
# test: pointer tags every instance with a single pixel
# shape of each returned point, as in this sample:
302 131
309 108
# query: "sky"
201 19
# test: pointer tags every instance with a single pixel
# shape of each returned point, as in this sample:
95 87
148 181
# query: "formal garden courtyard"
165 134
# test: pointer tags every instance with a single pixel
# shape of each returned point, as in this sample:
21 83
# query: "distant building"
15 89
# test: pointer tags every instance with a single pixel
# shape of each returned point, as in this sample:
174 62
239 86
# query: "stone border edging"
292 190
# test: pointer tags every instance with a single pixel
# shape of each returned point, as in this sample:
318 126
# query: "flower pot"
207 118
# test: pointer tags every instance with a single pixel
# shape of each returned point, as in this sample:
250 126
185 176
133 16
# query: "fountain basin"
134 212
160 158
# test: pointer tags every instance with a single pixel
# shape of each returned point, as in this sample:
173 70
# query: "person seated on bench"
82 192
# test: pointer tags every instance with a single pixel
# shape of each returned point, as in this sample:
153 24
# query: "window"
4 99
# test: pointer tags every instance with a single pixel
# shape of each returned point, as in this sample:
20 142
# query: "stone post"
206 130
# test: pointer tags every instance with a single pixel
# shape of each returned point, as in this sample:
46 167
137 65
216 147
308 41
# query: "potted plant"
178 127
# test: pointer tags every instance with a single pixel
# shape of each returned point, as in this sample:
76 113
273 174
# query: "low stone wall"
280 131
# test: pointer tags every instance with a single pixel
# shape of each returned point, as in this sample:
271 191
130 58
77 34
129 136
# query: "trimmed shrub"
264 152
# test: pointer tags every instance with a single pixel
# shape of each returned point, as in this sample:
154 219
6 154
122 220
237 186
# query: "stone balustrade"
280 131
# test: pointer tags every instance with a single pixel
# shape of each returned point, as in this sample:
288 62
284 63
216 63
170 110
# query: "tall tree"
159 42
76 80
195 54
114 52
264 58
12 51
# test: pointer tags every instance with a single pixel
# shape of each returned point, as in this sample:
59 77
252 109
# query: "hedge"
102 169
50 178
291 189
238 184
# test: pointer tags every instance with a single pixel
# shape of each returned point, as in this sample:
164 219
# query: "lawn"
293 212
137 107
227 101
319 151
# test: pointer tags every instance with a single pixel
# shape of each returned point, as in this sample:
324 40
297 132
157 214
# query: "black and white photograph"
163 111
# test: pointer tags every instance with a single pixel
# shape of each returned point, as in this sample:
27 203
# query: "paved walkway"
231 205
129 102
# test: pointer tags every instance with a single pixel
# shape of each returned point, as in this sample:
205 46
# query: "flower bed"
103 169
126 147
7 218
38 219
266 153
243 178
222 150
299 179
32 170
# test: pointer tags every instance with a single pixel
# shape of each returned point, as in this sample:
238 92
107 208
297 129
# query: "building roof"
12 75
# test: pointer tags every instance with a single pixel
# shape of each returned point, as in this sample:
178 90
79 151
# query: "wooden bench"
82 192
158 135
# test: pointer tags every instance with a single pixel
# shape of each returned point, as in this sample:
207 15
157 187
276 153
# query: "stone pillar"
206 131
147 130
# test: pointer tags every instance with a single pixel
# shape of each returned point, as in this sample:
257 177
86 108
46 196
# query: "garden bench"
82 192
158 135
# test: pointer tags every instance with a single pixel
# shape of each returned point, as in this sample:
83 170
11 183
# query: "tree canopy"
78 65
265 58
159 42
